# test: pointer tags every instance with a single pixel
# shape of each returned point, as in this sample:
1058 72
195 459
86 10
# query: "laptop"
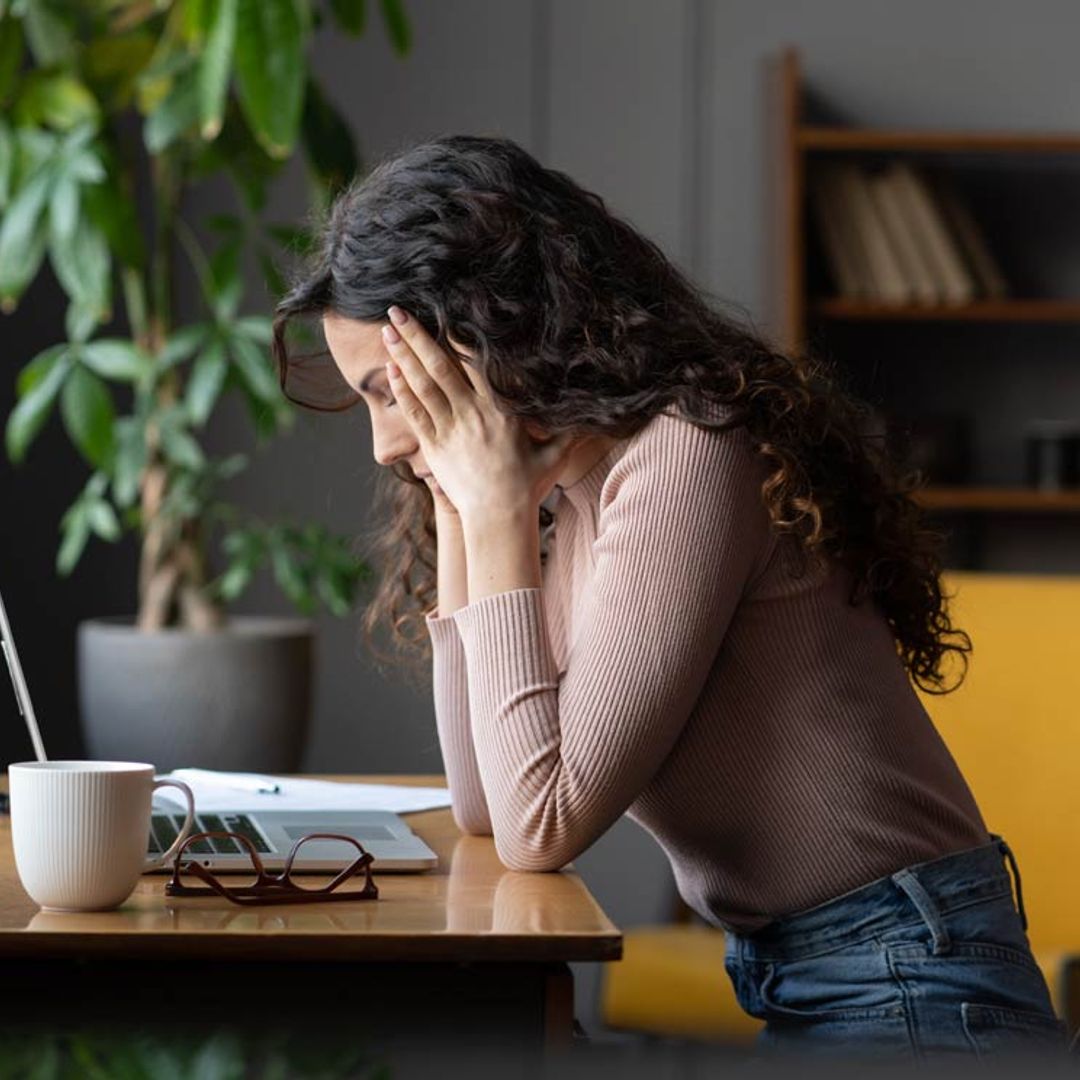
392 844
383 833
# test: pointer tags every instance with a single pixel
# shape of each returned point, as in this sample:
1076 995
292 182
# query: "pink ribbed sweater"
674 669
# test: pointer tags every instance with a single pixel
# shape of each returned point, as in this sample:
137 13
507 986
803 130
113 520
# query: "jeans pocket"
994 1030
838 986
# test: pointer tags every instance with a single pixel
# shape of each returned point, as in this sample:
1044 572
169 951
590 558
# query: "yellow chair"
1014 729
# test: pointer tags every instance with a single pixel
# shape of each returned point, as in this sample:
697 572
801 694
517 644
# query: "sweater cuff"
507 647
443 631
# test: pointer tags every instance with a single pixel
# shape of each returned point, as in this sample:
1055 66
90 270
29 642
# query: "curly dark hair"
582 324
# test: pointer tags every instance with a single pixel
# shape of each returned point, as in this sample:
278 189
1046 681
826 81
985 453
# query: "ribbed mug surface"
79 830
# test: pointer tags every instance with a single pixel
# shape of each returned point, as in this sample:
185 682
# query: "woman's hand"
483 460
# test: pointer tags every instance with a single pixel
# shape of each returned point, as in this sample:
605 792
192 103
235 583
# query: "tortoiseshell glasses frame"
272 888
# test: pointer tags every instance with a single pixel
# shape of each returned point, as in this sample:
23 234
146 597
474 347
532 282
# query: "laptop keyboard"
165 828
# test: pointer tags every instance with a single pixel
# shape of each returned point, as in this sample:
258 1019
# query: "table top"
469 908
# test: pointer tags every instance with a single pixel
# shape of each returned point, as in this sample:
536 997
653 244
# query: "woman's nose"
388 446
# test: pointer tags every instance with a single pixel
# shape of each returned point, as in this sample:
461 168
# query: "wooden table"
470 953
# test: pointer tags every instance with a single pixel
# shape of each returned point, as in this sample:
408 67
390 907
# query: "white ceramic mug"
80 830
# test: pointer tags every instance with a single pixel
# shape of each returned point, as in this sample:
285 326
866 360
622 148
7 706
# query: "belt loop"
911 885
1005 850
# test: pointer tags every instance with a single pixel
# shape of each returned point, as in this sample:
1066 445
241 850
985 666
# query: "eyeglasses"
267 888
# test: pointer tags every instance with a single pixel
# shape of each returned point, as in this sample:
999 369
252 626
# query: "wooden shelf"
999 500
839 139
1014 310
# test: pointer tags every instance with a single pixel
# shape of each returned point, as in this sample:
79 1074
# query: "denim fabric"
931 963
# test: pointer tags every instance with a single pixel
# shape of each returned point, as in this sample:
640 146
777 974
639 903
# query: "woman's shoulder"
687 450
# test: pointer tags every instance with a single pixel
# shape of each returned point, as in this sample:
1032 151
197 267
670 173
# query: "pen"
259 785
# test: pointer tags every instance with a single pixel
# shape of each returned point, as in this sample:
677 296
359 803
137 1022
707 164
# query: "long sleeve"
451 694
680 530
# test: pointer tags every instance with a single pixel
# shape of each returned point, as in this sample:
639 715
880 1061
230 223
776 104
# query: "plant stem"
172 567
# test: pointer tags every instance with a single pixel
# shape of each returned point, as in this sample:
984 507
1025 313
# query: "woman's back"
761 727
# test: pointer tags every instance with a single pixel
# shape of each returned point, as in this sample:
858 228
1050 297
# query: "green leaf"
57 100
38 368
234 581
115 358
237 151
230 466
82 266
333 592
80 320
87 409
257 327
76 530
350 15
215 67
290 577
7 162
102 519
11 52
49 34
270 69
182 344
255 368
397 25
86 168
196 20
64 206
130 459
176 114
328 141
207 379
181 449
30 414
21 234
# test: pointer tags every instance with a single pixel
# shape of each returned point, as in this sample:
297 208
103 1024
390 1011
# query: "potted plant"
105 101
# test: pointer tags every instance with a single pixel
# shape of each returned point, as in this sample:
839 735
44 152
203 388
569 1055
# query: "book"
841 260
914 266
951 274
890 285
839 208
990 281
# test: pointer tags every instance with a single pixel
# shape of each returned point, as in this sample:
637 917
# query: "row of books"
900 235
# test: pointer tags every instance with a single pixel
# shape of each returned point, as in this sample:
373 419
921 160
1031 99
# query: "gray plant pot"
238 698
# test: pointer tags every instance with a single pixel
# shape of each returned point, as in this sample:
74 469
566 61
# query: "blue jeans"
931 963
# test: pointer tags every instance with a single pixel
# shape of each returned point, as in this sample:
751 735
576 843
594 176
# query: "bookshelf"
808 305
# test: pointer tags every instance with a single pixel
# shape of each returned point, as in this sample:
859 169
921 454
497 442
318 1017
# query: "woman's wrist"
447 521
503 552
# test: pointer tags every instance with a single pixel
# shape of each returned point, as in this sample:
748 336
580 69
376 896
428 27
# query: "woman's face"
361 355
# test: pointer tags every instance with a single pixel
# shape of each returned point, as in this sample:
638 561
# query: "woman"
736 599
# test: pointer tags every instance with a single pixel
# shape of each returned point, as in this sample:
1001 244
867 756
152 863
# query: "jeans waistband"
922 891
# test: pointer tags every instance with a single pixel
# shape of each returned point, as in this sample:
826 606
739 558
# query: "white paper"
212 792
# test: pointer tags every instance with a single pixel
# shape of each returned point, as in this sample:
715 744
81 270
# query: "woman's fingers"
422 388
412 408
432 374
